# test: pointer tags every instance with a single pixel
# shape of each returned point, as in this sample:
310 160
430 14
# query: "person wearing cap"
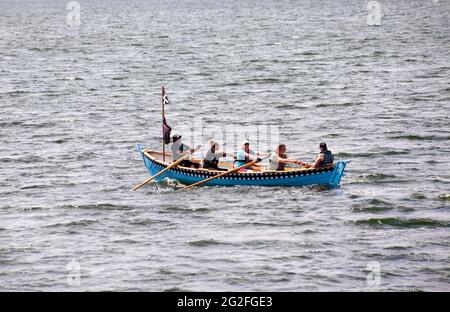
212 156
179 149
246 155
278 159
324 158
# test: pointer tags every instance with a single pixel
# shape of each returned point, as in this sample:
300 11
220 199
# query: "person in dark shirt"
324 158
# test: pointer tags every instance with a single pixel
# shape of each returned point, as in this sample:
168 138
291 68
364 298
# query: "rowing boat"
328 176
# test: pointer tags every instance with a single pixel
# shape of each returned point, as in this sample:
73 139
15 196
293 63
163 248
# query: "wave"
288 224
180 209
84 222
289 106
391 153
60 141
35 186
7 160
353 155
176 289
96 206
231 84
306 52
347 104
403 223
374 205
372 209
414 137
373 154
379 176
9 124
71 78
418 196
24 124
265 80
126 241
445 197
145 221
204 243
395 247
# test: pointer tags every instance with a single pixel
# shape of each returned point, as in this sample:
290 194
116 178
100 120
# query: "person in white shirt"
212 156
278 159
179 149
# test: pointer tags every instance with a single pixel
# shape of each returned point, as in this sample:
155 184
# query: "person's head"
214 145
323 146
281 149
176 137
246 145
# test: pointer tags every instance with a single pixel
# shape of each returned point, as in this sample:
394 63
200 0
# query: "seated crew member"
179 149
278 159
324 158
246 155
212 157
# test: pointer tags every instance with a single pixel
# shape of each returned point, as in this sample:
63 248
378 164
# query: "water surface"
76 100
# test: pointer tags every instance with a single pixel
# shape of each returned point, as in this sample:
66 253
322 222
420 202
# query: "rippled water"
76 100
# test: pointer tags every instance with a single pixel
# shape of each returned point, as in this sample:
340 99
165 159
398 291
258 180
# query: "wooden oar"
164 170
219 175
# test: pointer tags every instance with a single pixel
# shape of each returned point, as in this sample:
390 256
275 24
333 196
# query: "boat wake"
167 184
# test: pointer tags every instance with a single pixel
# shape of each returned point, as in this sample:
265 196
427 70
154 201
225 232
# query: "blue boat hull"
329 176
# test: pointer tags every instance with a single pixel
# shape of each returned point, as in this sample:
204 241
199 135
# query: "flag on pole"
166 128
165 99
166 131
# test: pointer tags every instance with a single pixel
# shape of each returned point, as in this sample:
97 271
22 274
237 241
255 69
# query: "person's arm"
250 156
318 160
220 154
289 161
261 154
257 155
186 149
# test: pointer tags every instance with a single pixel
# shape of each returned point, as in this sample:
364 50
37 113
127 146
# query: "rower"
212 156
278 159
179 149
246 155
324 158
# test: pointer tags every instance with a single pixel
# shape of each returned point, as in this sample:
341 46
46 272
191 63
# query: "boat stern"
338 172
